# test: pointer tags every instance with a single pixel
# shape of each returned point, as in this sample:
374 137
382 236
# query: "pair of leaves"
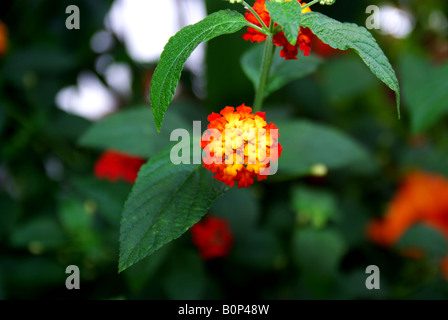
338 35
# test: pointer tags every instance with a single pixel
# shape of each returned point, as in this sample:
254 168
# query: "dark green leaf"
306 144
165 202
131 131
423 237
179 48
287 15
38 235
282 71
318 252
345 36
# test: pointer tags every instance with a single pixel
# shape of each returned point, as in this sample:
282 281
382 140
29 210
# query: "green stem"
310 4
248 7
265 70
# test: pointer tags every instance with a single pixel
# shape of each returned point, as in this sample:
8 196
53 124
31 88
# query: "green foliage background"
296 236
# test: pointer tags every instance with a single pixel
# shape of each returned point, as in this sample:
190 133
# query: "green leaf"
312 205
425 91
131 131
186 280
40 234
430 240
165 202
345 36
318 251
282 71
287 15
177 51
306 144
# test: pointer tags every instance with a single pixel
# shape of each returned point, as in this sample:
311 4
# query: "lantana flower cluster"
240 146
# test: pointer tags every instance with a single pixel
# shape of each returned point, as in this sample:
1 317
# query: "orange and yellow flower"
213 237
422 198
114 166
240 146
289 51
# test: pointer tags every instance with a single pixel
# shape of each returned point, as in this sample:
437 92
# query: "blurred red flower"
3 38
113 166
213 237
324 50
288 51
422 198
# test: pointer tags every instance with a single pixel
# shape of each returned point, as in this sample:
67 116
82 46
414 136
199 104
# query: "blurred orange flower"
240 146
213 237
3 38
114 166
288 51
422 198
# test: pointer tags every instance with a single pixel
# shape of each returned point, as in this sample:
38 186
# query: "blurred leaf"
37 60
73 216
186 280
306 144
165 202
8 216
287 15
42 233
131 131
2 116
68 126
318 252
141 274
240 208
426 158
425 91
345 36
259 250
282 71
353 83
312 205
177 51
110 197
425 238
32 273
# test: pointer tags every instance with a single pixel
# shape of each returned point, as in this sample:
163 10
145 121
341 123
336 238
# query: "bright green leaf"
306 144
282 71
177 51
312 205
287 15
345 36
165 202
131 131
425 91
